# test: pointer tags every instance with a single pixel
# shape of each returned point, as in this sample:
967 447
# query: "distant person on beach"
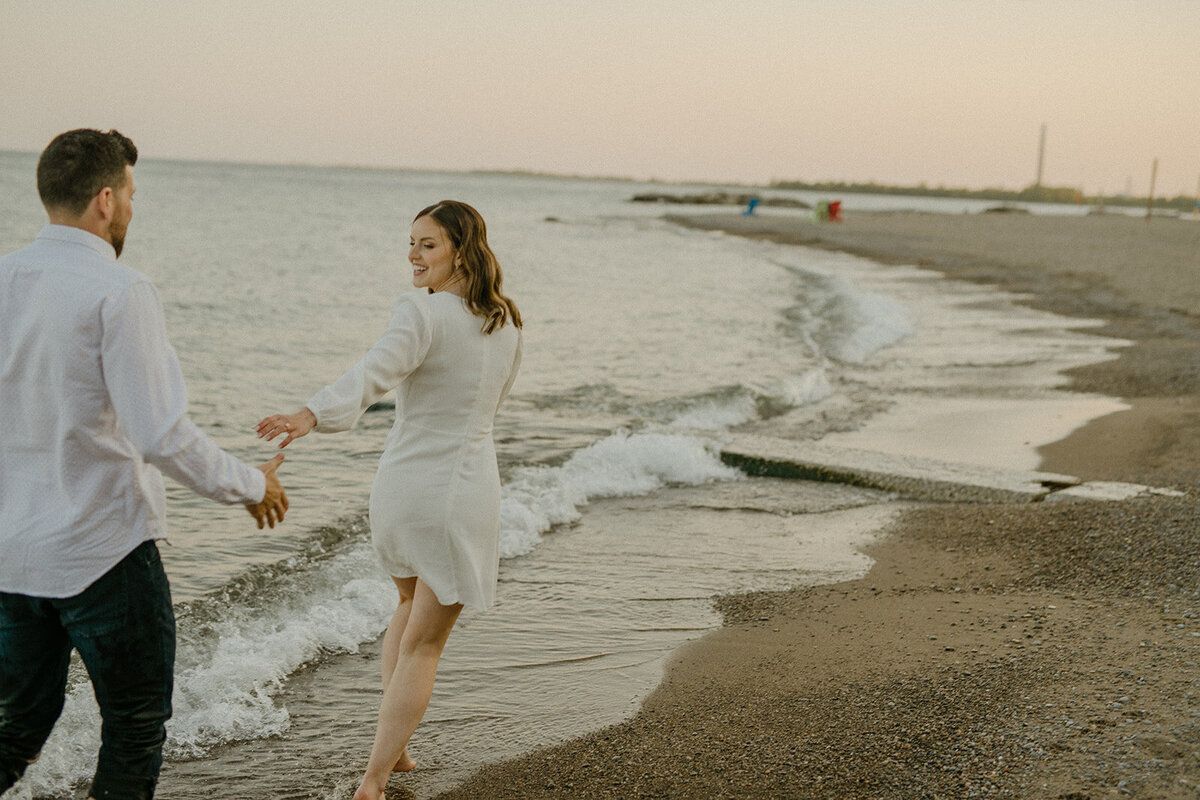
452 353
94 407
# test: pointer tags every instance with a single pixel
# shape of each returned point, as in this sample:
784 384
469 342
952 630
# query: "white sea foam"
845 322
715 415
537 498
808 389
228 692
719 414
230 695
863 323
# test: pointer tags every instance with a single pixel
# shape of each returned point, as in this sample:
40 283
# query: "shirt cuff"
258 486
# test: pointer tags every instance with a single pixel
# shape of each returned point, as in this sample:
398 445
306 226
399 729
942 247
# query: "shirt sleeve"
399 351
145 386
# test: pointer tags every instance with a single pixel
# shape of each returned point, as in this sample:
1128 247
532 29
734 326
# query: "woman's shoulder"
411 309
435 309
424 303
416 297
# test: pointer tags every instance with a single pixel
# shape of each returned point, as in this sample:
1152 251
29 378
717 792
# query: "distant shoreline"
1030 194
1182 203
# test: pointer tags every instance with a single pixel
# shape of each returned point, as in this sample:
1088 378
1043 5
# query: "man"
94 407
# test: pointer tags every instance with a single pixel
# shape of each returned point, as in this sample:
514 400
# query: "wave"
628 462
623 464
841 321
716 409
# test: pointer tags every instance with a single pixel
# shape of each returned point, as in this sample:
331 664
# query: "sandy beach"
1039 650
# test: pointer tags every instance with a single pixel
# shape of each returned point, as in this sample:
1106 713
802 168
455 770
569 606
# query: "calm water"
644 342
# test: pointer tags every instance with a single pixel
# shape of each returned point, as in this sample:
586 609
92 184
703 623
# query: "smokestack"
1041 156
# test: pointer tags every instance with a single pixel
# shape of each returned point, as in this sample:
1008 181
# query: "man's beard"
117 236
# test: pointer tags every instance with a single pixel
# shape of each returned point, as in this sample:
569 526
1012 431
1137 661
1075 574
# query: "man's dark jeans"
124 629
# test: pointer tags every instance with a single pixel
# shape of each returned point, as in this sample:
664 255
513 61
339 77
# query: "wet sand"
1042 650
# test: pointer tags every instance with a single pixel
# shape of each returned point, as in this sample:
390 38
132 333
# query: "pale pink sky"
949 92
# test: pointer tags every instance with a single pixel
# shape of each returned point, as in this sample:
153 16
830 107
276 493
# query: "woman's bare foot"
404 763
367 793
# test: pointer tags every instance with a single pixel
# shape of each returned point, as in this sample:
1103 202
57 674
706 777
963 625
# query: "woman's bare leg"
391 650
407 695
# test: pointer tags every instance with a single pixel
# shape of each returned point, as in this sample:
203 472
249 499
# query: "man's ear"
104 203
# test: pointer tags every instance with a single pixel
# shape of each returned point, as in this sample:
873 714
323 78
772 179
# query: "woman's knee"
430 622
406 588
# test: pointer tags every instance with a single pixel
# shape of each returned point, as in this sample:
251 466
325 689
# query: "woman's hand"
293 425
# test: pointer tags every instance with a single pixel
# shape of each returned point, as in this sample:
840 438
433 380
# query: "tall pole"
1150 199
1041 155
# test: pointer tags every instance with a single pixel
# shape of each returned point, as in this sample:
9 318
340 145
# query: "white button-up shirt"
92 407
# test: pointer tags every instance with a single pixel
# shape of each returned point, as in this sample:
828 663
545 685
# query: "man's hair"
77 164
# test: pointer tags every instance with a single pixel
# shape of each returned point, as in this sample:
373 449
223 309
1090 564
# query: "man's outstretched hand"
274 504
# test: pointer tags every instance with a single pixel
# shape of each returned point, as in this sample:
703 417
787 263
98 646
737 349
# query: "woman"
451 353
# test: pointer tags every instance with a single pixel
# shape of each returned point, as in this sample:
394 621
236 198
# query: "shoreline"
1044 650
1039 257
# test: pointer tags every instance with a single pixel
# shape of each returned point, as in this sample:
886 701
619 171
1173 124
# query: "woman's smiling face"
432 256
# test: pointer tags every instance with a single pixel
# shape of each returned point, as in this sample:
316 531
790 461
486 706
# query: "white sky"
946 92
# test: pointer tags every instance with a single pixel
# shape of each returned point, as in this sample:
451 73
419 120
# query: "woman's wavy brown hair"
468 236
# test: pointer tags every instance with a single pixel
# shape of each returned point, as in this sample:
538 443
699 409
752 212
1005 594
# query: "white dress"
435 503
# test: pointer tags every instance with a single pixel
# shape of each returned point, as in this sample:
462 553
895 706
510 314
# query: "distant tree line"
1030 194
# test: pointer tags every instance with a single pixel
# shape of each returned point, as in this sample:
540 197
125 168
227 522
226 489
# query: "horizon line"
920 185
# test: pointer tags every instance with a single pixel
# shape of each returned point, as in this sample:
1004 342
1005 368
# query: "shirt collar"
68 233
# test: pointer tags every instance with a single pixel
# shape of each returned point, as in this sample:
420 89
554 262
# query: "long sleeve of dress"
399 351
516 367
